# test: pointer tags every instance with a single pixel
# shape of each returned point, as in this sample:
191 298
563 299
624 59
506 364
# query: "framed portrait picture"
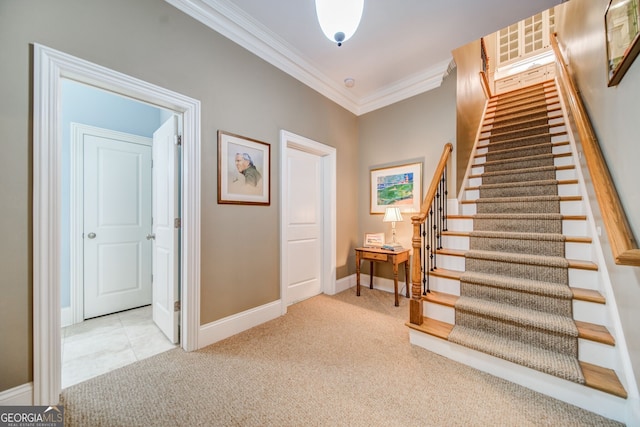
244 170
623 31
373 240
399 186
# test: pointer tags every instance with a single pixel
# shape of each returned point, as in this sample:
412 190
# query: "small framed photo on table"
373 240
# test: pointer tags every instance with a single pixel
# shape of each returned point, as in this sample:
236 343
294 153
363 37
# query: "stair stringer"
602 403
623 367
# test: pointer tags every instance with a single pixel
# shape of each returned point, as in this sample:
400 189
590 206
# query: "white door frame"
50 67
76 211
291 141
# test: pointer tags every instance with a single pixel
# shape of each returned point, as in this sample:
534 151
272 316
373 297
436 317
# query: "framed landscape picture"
243 170
399 186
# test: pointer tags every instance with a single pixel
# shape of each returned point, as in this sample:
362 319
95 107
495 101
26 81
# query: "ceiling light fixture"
339 19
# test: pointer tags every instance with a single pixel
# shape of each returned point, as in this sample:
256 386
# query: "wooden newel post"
415 305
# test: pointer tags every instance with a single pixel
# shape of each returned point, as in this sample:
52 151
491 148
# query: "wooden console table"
381 255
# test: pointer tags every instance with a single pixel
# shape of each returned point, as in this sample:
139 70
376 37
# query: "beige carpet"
331 361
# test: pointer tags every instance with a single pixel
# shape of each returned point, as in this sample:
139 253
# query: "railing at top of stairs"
428 226
623 244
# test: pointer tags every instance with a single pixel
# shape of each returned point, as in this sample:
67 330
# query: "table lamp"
392 214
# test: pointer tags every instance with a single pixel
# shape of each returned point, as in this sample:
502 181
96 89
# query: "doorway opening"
50 68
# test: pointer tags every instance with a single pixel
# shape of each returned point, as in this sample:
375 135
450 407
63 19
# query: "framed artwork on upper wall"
244 170
399 186
623 31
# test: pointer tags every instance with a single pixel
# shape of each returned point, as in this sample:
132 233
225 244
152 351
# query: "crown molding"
231 22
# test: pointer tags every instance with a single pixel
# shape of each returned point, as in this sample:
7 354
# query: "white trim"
21 395
232 22
289 140
576 394
50 67
345 283
240 322
76 209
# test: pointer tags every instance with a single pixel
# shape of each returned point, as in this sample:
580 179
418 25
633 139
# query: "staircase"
515 278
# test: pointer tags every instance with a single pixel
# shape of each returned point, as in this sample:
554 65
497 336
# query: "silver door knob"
91 235
151 236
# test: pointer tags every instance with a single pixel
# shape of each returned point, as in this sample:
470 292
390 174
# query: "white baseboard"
584 397
229 326
345 283
21 395
66 317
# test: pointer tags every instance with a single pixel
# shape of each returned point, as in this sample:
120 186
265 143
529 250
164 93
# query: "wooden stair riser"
516 103
504 115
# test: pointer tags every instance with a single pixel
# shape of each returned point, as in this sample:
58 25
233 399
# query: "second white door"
304 225
117 220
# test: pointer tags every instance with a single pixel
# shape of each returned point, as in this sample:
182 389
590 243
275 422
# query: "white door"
304 225
117 219
166 229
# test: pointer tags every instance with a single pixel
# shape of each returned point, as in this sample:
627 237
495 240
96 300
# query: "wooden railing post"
417 269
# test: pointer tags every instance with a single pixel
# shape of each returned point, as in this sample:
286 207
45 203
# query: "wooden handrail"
433 187
415 305
623 243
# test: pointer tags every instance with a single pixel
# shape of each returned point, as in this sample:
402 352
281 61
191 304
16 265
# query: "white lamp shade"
392 215
339 19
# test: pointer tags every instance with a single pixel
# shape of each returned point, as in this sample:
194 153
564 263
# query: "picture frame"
373 240
244 170
399 186
622 29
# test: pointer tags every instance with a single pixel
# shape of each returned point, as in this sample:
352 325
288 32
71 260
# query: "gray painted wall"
240 93
414 130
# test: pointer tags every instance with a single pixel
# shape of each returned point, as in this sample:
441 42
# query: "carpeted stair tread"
537 121
520 184
552 363
519 175
517 199
518 315
508 216
540 260
518 133
518 163
537 287
520 236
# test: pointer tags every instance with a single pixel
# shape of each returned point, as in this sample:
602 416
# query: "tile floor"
97 346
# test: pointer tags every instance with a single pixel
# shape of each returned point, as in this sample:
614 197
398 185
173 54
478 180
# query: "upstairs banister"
434 205
623 243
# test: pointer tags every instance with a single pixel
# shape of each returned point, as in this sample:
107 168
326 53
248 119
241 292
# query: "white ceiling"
401 48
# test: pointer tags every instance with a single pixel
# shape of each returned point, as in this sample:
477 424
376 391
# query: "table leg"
357 273
395 282
371 275
407 277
